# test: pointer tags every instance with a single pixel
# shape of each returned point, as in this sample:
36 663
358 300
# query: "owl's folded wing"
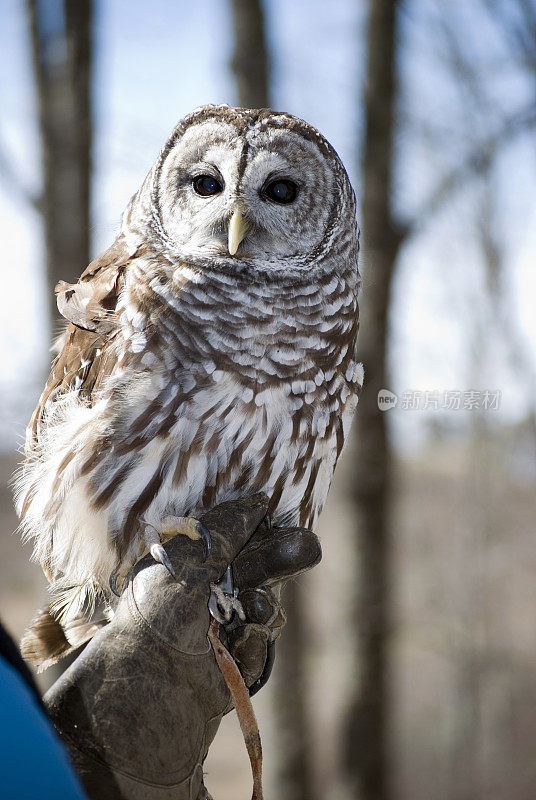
85 356
90 303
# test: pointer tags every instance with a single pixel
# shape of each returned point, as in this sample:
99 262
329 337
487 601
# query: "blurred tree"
492 325
366 739
62 62
61 39
294 776
384 232
295 758
250 62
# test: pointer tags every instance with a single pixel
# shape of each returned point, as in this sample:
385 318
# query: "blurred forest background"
407 670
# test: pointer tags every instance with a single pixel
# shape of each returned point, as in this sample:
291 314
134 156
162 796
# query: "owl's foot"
149 544
152 543
223 602
187 526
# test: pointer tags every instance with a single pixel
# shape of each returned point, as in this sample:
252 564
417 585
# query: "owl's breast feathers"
178 388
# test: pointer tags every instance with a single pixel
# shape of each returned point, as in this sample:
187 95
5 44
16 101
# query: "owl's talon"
112 580
160 555
116 580
223 601
223 606
204 533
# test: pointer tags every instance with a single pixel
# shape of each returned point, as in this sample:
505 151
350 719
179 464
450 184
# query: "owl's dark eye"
207 185
281 191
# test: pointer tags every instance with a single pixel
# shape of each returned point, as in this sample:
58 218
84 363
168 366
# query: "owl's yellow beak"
238 228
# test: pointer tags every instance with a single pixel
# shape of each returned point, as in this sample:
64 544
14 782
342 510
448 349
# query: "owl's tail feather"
47 640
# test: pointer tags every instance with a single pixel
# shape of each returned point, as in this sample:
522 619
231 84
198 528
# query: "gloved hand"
141 705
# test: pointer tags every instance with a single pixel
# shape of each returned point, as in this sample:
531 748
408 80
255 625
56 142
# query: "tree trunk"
62 61
295 779
250 61
366 744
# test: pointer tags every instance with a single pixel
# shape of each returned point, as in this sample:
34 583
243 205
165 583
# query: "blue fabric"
33 762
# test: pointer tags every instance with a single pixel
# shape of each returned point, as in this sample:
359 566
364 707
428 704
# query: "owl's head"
246 189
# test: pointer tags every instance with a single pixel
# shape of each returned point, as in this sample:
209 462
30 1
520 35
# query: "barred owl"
210 352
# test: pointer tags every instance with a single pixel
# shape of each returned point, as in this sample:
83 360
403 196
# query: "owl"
209 353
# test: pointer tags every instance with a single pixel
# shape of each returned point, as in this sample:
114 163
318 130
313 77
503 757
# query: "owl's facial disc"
259 194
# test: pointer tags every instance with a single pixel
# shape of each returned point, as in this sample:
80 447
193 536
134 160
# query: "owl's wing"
86 356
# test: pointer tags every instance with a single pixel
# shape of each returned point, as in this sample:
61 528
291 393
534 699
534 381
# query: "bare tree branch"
520 31
516 25
475 163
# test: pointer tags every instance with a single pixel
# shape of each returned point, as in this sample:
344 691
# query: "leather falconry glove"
141 705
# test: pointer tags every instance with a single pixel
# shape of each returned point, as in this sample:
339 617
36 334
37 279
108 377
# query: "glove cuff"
103 782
